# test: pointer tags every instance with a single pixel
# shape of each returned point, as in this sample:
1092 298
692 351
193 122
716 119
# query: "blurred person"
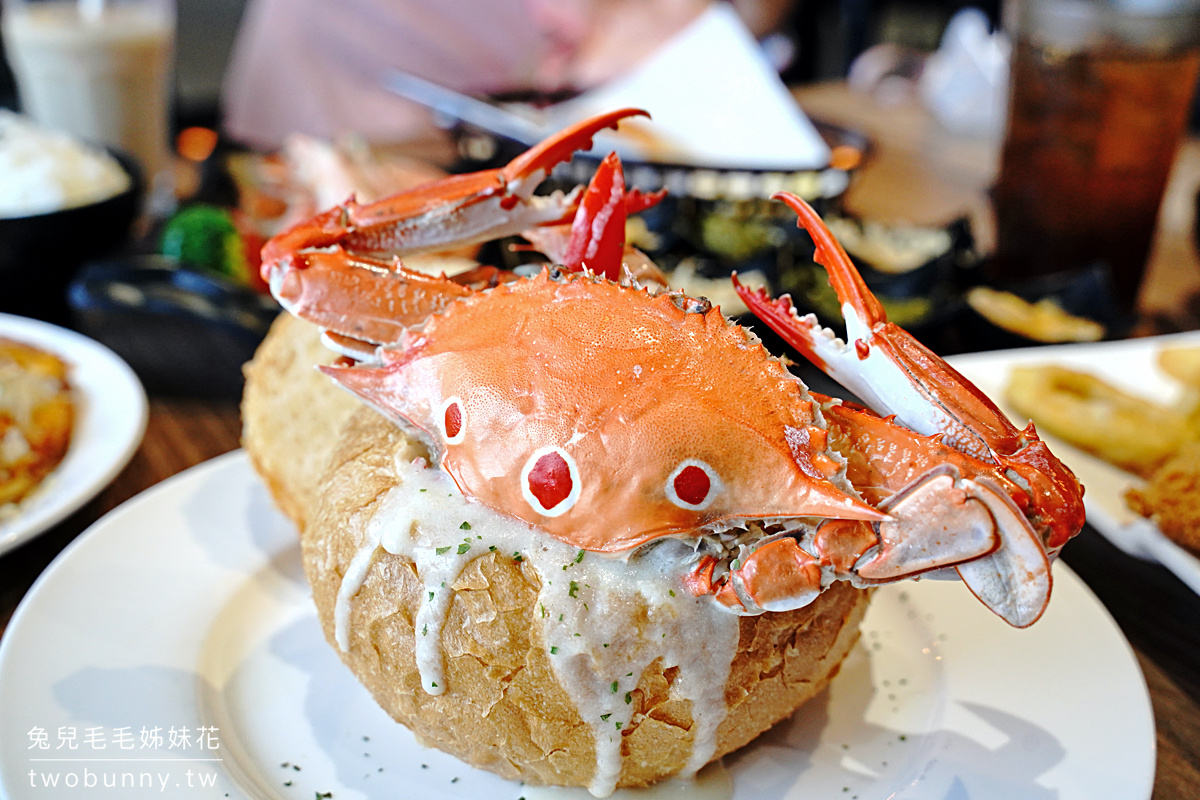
315 66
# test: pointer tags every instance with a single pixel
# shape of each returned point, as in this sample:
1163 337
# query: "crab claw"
459 210
366 299
1033 502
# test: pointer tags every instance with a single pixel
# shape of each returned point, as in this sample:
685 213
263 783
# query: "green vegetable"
204 237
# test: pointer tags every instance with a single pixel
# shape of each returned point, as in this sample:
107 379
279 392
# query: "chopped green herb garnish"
605 717
628 698
618 726
431 596
425 630
466 526
553 651
671 592
464 547
579 557
574 589
491 548
614 687
441 550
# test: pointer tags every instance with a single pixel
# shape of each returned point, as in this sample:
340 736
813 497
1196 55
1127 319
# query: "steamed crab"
611 412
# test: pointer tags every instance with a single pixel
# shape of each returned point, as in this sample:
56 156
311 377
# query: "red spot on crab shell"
692 485
453 420
550 480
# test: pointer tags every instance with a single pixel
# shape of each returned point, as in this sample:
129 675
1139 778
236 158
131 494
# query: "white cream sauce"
604 620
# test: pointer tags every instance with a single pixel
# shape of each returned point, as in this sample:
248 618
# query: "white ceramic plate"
187 607
110 421
1131 365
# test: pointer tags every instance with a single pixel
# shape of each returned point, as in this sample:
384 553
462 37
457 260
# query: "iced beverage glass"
98 69
1099 99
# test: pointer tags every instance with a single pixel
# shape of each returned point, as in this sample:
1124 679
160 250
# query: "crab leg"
1036 509
323 270
363 298
461 209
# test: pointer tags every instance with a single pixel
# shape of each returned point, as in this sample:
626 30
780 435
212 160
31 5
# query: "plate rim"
114 436
239 460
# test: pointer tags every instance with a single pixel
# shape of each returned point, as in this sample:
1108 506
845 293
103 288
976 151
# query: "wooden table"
1158 614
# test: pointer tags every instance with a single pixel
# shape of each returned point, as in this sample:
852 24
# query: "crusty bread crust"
292 414
503 709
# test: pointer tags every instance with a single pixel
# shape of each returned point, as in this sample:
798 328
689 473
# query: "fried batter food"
36 418
1182 364
1172 497
1157 442
1079 408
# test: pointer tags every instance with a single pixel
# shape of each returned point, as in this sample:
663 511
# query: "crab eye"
451 420
550 481
693 485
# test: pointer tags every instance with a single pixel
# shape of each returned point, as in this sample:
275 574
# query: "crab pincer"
342 269
965 446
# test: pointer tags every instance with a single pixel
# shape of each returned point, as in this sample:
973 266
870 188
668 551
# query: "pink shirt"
314 66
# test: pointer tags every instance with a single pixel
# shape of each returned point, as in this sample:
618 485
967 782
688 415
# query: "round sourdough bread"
292 414
502 706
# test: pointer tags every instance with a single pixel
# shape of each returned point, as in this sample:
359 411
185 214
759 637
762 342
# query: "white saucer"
111 418
187 607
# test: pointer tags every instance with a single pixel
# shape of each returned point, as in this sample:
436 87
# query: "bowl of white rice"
62 202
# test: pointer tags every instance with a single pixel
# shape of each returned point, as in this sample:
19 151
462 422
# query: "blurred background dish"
1129 365
712 222
183 331
64 203
110 420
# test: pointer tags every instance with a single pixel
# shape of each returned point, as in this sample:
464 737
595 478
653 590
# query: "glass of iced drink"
1100 93
98 69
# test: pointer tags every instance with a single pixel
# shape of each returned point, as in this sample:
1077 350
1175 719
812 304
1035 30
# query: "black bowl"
717 220
39 254
183 332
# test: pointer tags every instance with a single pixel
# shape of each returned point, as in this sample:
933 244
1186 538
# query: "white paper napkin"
714 100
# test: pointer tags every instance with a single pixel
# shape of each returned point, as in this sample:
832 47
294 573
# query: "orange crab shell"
607 416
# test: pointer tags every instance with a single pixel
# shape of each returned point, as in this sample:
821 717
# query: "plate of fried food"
1125 416
71 415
